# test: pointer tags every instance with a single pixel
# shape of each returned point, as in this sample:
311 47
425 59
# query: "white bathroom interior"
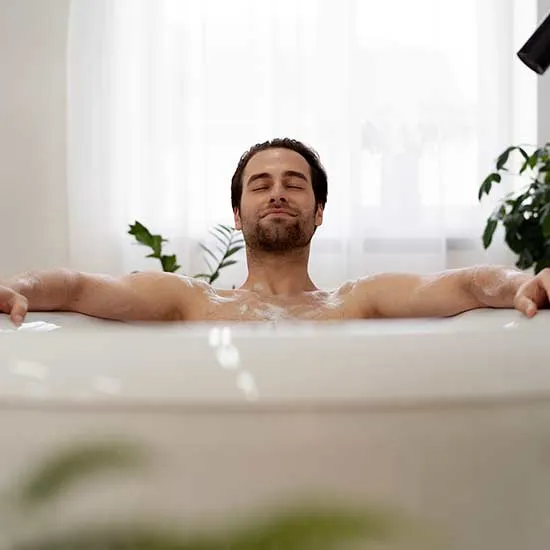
409 434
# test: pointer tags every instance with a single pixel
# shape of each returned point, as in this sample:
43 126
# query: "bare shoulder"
151 282
170 286
163 280
143 295
354 294
371 292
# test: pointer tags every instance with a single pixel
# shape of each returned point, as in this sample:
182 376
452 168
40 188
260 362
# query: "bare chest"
251 307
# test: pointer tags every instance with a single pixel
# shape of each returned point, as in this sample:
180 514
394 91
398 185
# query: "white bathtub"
445 421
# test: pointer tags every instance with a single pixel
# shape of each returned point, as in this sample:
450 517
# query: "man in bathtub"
278 194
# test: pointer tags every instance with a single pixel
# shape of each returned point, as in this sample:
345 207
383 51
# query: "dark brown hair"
318 174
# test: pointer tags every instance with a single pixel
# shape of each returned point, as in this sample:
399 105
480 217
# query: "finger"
544 279
18 311
526 306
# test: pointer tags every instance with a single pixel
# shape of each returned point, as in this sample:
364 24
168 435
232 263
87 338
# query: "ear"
319 215
237 219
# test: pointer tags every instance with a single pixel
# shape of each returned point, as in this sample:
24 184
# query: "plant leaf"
525 260
529 160
202 276
513 241
64 468
523 153
499 212
542 264
237 236
293 528
227 263
534 158
503 158
232 251
487 184
144 236
307 527
209 252
214 276
156 244
224 229
121 537
211 268
524 166
238 242
169 263
489 232
546 226
222 241
141 233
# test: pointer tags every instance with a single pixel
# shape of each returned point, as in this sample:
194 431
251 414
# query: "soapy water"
35 326
258 305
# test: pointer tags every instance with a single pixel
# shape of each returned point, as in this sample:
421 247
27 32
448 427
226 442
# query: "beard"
278 235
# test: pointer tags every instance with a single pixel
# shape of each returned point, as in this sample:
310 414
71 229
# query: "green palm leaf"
223 242
209 252
231 243
223 230
232 251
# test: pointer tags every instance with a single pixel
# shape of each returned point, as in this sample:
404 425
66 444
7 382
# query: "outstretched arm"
141 296
452 292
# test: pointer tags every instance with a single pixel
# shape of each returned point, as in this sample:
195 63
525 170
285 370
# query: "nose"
278 194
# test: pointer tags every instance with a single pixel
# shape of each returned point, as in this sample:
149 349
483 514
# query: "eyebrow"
287 173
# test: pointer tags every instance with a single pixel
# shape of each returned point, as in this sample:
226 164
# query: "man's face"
278 210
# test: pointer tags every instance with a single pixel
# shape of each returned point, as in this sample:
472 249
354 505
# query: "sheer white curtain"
408 103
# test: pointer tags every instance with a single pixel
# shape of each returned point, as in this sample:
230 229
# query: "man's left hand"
533 294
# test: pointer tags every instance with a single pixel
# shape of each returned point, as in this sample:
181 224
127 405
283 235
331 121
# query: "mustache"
278 210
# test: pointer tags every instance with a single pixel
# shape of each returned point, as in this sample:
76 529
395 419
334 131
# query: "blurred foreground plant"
300 526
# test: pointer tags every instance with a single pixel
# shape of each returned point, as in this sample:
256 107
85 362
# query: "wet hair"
318 174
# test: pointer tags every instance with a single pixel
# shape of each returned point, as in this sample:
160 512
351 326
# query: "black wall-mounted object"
535 53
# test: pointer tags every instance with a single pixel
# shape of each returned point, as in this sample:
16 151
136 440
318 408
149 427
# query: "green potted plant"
229 242
524 215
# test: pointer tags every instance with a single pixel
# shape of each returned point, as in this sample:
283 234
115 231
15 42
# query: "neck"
278 273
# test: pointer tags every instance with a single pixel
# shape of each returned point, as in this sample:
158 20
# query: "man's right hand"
14 304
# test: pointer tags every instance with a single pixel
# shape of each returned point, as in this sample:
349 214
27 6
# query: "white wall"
33 211
544 88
